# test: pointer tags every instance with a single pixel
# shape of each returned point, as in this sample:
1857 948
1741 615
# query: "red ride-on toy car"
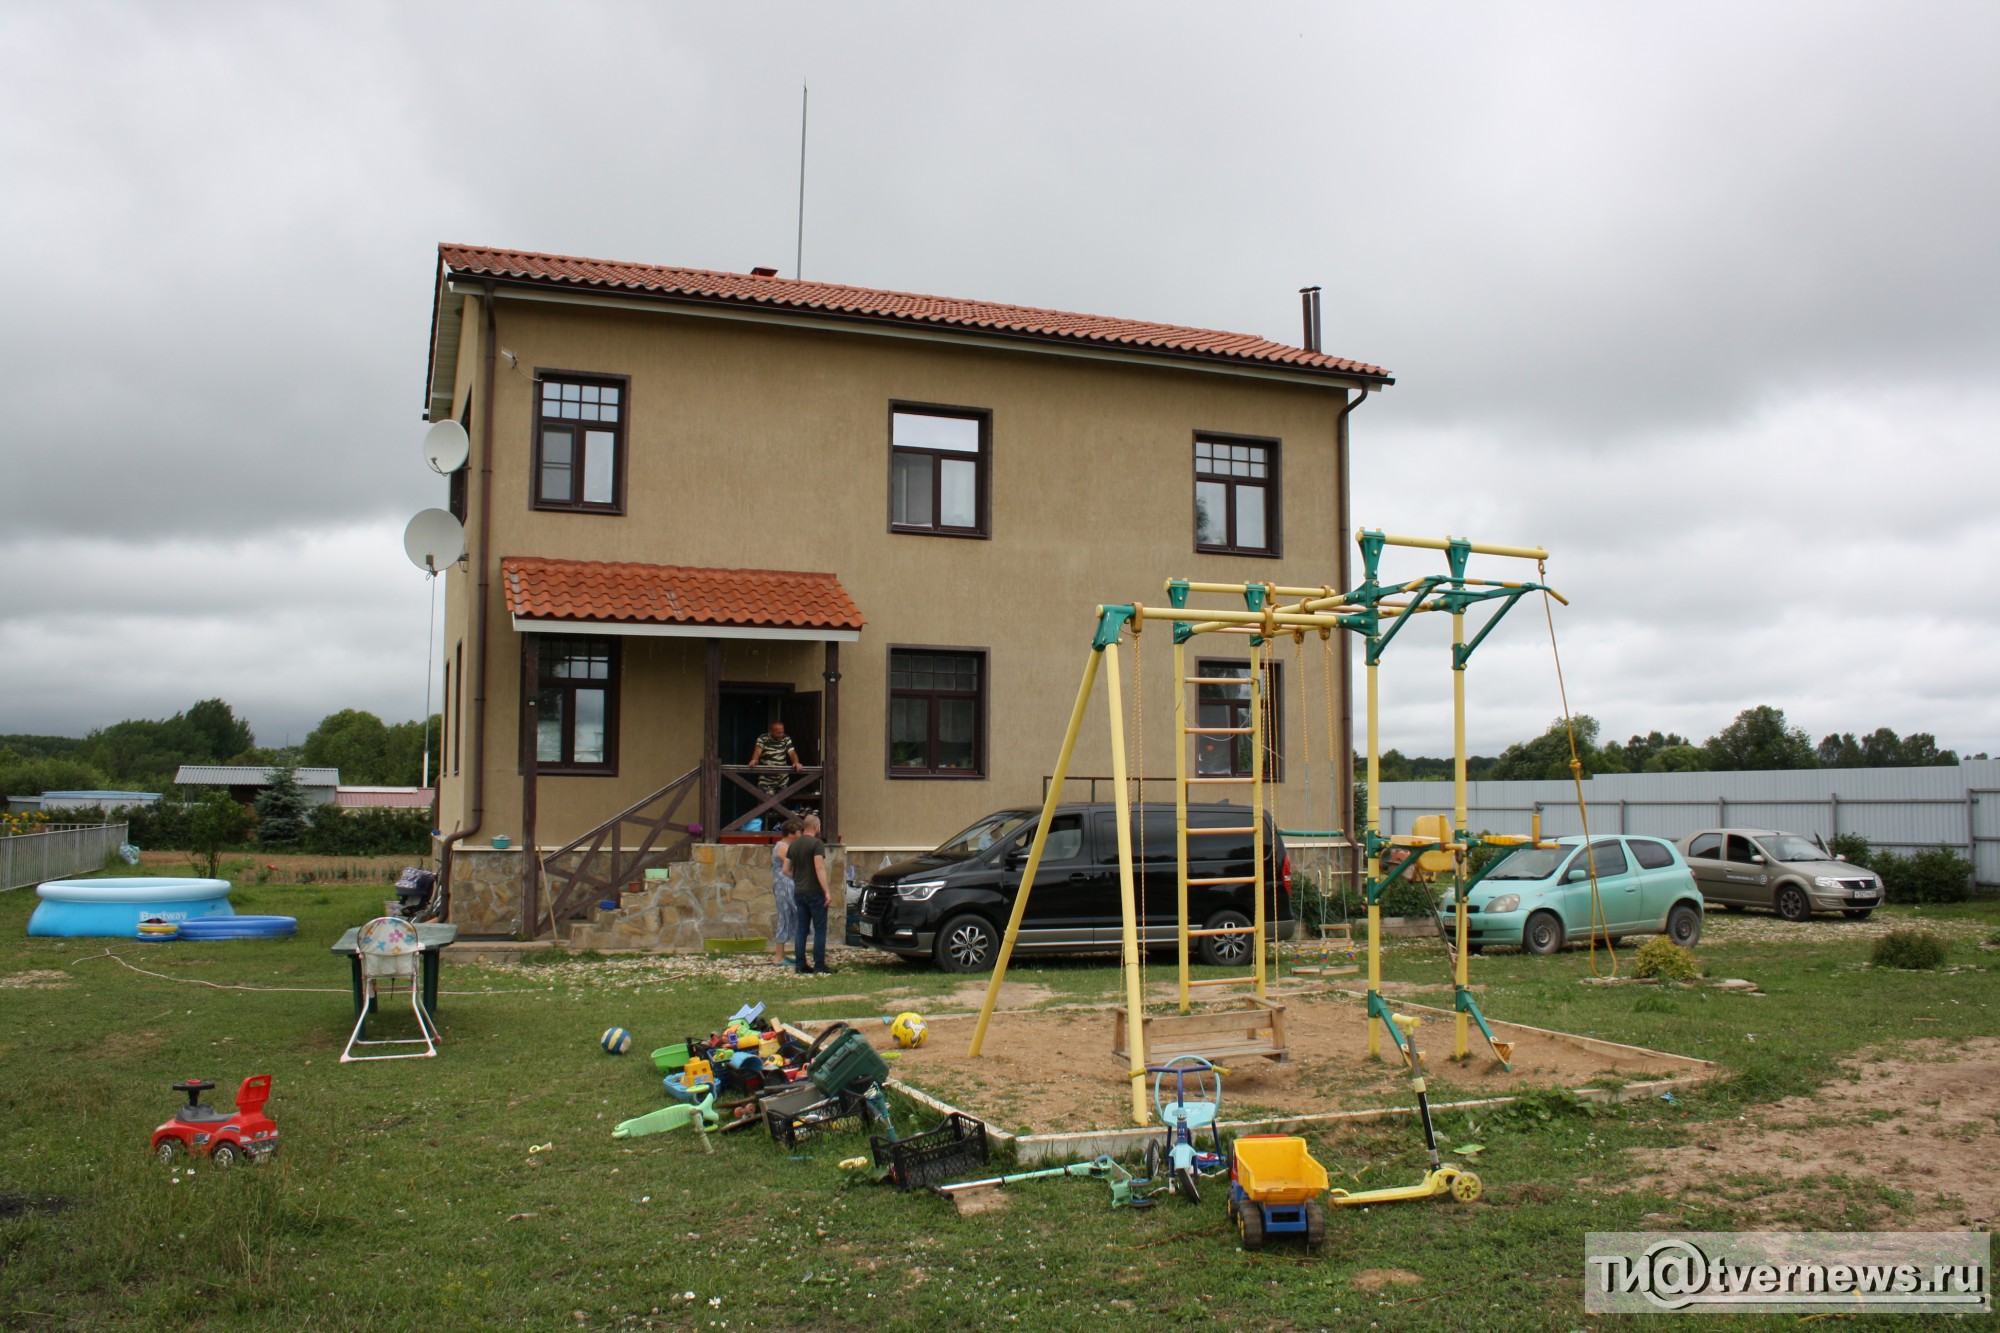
224 1137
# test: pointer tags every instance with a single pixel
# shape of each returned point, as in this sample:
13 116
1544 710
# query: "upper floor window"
576 705
580 443
1235 495
937 713
939 470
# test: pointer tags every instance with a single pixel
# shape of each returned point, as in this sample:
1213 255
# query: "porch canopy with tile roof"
547 596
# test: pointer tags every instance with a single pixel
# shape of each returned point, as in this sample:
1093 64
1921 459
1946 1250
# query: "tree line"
1759 739
141 754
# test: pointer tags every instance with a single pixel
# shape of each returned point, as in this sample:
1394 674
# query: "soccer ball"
909 1030
615 1041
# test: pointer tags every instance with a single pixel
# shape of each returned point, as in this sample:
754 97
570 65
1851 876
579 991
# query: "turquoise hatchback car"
1538 898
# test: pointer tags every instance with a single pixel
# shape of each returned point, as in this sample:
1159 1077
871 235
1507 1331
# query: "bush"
1911 950
1406 899
1852 847
337 832
1939 875
1660 957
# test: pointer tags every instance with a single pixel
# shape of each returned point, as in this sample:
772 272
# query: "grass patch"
406 1195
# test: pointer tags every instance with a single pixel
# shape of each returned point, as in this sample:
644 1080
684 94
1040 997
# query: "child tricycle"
1177 1158
224 1137
1274 1189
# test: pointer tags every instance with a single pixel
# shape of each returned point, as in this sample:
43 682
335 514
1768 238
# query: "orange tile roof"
603 592
826 298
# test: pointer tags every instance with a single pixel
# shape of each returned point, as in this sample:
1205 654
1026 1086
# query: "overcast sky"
1705 298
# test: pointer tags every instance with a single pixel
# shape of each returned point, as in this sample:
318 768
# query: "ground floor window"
576 705
1229 706
937 712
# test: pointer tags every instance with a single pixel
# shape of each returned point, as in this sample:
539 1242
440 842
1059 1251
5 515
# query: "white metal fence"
1896 809
31 858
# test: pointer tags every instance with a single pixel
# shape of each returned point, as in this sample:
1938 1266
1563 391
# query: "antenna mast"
799 257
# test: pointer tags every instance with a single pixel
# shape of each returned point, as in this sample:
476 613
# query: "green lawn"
405 1193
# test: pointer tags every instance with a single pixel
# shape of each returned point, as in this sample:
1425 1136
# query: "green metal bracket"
1253 596
1177 593
1457 552
1110 623
1463 1002
1462 653
1379 1008
1372 542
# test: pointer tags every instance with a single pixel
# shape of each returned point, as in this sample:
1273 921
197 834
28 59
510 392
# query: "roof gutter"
840 322
1344 540
481 597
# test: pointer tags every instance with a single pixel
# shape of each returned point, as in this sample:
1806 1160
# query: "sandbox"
1049 1084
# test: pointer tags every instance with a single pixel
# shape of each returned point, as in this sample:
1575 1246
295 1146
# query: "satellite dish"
434 539
446 447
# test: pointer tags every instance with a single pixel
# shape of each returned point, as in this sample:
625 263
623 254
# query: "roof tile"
613 592
903 307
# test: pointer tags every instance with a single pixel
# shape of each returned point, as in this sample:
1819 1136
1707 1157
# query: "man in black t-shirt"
809 890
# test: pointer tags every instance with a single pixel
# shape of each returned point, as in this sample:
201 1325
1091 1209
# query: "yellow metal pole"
1258 855
1459 813
1477 548
1374 860
1135 999
1035 847
1180 812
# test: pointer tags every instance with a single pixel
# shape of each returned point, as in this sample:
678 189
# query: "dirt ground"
1925 1123
1053 1070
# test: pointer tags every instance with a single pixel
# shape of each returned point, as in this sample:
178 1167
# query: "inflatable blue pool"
113 908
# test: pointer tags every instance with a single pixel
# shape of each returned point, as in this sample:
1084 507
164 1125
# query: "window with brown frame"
1229 706
576 705
939 469
1236 495
937 713
580 443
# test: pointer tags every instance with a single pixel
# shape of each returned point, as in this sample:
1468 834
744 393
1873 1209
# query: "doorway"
748 710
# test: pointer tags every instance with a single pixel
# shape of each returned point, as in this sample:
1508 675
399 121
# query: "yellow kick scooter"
1442 1178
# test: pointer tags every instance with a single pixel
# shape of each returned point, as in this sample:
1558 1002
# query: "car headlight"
1827 882
1506 902
917 893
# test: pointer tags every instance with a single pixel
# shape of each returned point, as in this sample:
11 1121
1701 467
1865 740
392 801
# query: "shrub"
282 811
1911 950
1406 899
1660 957
337 832
1939 875
1852 847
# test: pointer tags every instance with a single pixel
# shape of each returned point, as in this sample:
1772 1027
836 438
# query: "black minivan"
952 904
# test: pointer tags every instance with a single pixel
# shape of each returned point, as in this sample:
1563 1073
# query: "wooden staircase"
598 865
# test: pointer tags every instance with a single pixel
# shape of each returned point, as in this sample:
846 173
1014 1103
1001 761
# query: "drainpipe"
1344 542
479 602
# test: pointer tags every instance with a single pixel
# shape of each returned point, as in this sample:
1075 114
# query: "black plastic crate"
805 1113
956 1146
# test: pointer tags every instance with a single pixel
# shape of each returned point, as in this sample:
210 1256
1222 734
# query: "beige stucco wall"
732 423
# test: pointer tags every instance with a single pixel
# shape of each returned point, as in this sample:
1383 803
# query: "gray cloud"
1703 298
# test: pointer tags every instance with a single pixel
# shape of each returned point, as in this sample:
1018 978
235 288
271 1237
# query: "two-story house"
698 503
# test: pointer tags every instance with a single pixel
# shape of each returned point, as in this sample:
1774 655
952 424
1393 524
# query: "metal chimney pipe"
1309 311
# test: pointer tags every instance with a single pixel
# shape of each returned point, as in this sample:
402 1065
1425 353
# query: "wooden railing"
597 865
802 782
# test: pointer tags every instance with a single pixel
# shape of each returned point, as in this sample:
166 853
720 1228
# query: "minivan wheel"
1793 905
1543 934
967 943
1684 925
1226 950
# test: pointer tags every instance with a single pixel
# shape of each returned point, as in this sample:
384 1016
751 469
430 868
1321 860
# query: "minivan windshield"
992 829
1791 847
1530 863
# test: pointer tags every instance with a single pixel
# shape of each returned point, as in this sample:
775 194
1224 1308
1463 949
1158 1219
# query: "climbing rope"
1599 924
